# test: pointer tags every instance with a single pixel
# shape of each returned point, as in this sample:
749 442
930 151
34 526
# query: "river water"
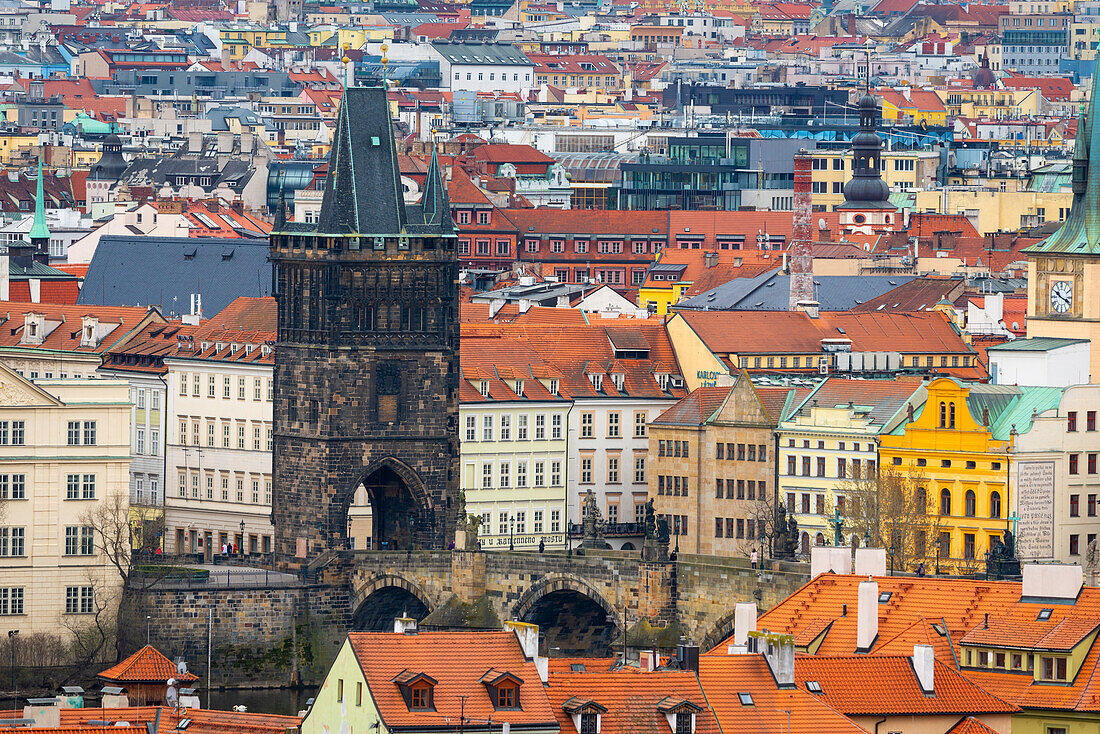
262 700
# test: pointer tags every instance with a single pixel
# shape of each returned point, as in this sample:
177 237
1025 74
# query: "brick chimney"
801 254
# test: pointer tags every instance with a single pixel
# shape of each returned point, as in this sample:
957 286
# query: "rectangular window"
521 474
555 473
257 438
1090 420
613 469
257 388
639 424
586 470
540 427
240 388
225 387
506 427
79 599
613 425
555 427
13 541
211 390
487 428
471 428
11 600
639 470
196 387
587 423
240 436
1073 463
521 427
505 476
486 476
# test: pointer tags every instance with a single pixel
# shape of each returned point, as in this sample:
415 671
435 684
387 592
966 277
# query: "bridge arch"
574 618
401 511
382 597
721 630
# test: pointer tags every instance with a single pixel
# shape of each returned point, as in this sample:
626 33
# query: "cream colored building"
994 211
513 456
909 169
218 454
64 454
218 450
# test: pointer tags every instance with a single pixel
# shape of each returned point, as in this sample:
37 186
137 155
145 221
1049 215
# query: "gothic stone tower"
366 373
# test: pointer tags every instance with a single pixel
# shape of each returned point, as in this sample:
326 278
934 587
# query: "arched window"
943 415
921 500
805 543
819 539
951 416
971 503
995 504
945 501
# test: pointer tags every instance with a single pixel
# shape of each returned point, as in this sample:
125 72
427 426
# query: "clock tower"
1063 270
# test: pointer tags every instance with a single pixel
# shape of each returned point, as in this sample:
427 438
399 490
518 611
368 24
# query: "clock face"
1061 296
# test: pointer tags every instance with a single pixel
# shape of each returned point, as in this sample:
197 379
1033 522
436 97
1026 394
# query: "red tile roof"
63 325
772 709
456 660
507 153
147 665
854 685
696 408
631 698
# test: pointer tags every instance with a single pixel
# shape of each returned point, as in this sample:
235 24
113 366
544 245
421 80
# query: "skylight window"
813 686
1044 615
884 597
746 699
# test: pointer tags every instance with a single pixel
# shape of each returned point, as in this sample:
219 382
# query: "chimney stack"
801 253
924 666
778 652
404 625
867 615
744 621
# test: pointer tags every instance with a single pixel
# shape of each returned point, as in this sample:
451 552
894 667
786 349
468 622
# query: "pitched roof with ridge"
634 699
457 661
147 665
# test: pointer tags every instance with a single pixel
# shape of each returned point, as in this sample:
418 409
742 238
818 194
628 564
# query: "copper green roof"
1080 233
39 230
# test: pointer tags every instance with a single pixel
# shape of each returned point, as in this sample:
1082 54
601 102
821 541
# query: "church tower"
1063 270
867 208
366 363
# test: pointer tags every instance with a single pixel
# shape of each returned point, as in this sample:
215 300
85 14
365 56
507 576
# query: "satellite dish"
171 696
181 667
821 223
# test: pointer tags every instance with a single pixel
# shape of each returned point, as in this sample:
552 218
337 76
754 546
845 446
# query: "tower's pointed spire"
40 233
434 204
280 207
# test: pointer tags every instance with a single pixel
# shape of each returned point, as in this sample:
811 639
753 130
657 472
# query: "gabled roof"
854 685
631 701
457 661
147 665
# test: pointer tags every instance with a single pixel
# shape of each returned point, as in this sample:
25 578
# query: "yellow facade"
964 471
658 298
13 144
1082 319
65 470
890 111
996 211
994 104
906 169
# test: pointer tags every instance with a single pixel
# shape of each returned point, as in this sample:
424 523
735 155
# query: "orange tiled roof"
203 721
970 725
147 665
63 325
853 684
631 698
456 660
725 677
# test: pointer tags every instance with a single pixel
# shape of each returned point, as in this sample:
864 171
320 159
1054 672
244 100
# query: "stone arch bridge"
580 602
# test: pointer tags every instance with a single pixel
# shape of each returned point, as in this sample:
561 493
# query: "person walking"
754 558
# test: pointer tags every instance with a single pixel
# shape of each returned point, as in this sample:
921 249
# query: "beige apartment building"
712 467
218 450
64 456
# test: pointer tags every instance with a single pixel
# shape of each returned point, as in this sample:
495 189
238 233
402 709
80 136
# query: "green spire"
39 230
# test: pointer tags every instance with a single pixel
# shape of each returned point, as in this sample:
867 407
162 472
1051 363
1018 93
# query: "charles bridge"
581 602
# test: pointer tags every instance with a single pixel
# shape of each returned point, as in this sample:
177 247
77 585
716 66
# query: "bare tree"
762 512
892 509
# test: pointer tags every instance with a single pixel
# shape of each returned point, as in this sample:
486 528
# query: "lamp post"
242 537
351 540
11 638
511 531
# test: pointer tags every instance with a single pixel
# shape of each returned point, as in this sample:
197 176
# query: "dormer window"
554 387
597 381
618 380
680 714
418 690
483 388
585 714
662 381
503 688
34 328
519 388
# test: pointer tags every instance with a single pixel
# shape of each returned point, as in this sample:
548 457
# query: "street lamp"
242 537
511 531
11 637
351 540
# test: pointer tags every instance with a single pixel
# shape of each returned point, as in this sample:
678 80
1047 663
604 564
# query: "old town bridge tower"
366 373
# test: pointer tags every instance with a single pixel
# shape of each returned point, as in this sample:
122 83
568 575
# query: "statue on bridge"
655 544
1001 561
785 538
592 524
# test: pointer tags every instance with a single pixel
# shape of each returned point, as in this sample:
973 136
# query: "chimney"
744 621
811 308
867 615
924 666
710 259
225 59
524 305
688 655
778 651
651 660
825 234
404 625
528 636
801 250
1052 581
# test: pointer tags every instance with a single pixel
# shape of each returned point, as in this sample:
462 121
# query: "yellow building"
914 106
65 456
240 39
959 445
1063 283
993 104
13 144
907 169
991 210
